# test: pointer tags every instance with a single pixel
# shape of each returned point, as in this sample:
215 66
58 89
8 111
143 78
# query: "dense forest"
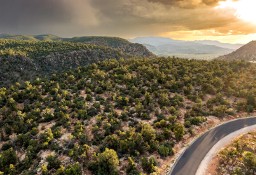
116 116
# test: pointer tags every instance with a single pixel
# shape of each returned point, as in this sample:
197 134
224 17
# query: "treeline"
35 49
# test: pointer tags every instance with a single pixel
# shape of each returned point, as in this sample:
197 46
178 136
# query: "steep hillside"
246 53
115 42
117 116
24 60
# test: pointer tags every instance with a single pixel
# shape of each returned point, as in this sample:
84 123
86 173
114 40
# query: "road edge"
196 138
202 169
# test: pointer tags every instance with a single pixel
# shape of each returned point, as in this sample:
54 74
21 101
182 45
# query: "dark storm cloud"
43 16
21 14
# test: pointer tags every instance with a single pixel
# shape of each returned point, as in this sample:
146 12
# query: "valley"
199 49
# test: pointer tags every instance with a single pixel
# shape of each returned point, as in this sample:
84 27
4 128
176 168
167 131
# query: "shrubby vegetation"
116 115
35 49
120 44
239 157
24 59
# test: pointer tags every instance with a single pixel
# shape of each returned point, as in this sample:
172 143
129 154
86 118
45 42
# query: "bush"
106 163
165 150
148 165
74 169
6 158
178 131
53 162
148 132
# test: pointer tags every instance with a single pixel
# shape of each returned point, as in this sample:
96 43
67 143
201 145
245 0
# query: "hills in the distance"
122 45
158 45
151 46
169 47
44 37
246 53
24 57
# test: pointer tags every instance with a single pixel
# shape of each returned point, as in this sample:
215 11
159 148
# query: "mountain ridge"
123 45
246 53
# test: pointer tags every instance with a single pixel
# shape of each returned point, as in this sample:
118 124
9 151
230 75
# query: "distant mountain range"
246 53
168 47
219 44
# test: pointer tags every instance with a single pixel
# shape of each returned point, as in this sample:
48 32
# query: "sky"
232 21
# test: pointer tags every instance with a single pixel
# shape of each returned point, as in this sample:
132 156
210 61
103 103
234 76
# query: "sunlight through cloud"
244 9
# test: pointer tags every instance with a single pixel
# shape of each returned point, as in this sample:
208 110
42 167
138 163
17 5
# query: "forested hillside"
116 116
133 49
24 59
122 45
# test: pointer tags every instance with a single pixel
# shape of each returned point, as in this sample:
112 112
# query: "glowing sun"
244 9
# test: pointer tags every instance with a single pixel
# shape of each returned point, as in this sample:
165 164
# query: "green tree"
148 164
53 162
106 163
179 131
148 132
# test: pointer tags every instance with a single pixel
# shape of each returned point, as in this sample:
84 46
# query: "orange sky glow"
243 29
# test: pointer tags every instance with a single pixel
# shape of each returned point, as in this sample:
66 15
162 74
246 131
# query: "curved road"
189 161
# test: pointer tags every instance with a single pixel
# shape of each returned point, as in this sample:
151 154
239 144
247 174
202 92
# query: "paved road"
195 153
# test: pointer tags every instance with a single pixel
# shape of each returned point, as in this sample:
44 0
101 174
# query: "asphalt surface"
190 160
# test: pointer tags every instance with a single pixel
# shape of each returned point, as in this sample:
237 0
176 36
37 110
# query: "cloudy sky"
225 20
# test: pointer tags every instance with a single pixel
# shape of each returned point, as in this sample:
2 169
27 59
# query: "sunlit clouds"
225 20
244 9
